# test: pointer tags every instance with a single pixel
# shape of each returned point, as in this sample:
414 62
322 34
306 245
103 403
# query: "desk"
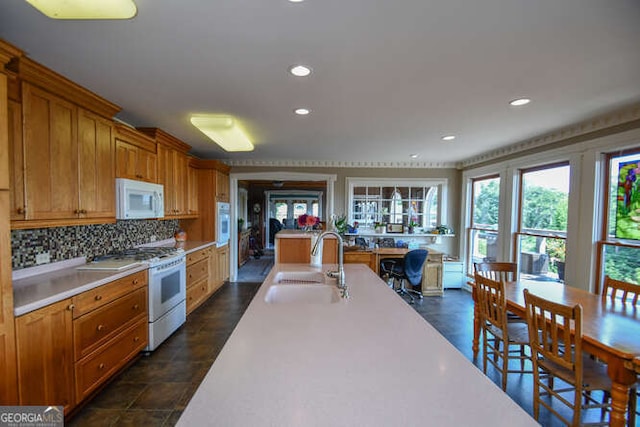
431 272
611 332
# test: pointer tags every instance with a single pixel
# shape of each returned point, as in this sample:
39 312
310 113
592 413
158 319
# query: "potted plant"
412 225
379 227
240 225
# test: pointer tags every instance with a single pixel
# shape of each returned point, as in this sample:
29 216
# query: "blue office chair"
408 268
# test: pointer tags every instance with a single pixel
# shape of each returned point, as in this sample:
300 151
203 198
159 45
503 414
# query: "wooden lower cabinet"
361 257
223 263
44 341
297 250
243 247
67 350
432 275
198 277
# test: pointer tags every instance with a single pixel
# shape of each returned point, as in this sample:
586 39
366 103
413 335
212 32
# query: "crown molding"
340 164
594 124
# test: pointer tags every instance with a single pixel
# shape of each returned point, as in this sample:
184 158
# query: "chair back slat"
492 301
550 332
620 290
498 271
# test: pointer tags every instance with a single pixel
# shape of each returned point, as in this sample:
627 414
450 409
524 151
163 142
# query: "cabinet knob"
100 328
135 281
71 307
136 306
76 211
98 297
20 211
83 211
136 339
101 366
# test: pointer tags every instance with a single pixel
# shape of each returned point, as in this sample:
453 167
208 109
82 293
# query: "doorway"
274 181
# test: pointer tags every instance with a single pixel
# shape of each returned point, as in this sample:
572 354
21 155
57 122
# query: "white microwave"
138 199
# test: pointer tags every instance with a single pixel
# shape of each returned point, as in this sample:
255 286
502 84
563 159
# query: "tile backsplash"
64 243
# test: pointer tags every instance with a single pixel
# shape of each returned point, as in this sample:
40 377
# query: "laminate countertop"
37 287
370 360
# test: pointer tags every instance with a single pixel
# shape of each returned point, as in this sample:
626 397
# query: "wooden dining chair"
557 354
502 272
618 290
624 292
502 341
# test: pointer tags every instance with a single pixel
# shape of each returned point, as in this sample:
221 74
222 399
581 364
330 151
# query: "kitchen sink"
302 294
299 277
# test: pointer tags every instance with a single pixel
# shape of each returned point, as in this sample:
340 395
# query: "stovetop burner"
140 254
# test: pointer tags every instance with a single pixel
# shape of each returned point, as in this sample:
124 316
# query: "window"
483 232
620 247
385 201
543 222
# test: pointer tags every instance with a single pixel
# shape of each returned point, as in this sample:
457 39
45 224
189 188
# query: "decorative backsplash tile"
85 240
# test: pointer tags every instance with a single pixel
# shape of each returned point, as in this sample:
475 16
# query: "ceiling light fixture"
296 1
300 70
223 130
302 111
82 9
414 156
448 138
519 102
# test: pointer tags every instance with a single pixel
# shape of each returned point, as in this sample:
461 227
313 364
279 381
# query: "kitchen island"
370 360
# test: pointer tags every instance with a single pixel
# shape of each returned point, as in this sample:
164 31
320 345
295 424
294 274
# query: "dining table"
610 329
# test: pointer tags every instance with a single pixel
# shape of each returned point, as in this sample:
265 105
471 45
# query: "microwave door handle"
158 200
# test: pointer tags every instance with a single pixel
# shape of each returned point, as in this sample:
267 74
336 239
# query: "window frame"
441 183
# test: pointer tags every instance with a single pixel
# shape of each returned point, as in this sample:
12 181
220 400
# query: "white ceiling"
389 77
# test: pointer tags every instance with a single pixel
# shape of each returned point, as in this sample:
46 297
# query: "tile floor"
155 390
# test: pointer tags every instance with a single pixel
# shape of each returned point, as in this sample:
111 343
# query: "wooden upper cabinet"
51 155
192 186
16 162
96 163
135 155
172 171
222 186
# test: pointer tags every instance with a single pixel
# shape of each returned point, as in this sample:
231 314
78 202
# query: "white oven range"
167 285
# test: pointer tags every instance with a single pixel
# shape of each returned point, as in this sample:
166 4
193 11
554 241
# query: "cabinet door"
8 384
16 161
146 165
51 155
126 160
165 177
96 163
180 191
192 185
222 187
223 262
45 356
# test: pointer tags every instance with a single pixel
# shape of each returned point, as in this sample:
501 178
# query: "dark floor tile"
162 396
118 395
94 417
138 418
173 418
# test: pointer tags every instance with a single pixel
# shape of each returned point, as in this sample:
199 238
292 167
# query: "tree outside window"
483 233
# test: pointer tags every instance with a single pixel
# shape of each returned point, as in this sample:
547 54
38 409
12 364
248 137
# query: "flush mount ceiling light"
83 9
414 156
300 70
302 111
448 138
223 130
296 1
519 102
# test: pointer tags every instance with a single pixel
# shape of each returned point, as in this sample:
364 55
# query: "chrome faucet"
342 285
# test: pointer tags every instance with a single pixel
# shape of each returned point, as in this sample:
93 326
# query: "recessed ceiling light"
296 1
302 111
223 130
82 9
414 156
300 70
519 102
448 138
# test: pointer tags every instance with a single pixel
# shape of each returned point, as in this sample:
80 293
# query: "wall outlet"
153 238
43 258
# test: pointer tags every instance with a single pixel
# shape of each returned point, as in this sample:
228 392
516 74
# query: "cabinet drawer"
196 256
94 329
196 294
94 298
197 272
100 365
